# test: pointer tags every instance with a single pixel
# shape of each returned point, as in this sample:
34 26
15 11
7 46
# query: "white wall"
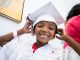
7 25
63 7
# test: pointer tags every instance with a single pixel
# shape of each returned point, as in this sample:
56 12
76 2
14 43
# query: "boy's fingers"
60 31
28 18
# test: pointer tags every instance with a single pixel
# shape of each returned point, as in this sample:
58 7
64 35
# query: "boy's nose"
45 29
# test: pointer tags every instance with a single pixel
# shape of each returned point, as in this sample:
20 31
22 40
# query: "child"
37 47
44 28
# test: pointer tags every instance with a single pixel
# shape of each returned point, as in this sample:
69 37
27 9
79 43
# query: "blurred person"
72 29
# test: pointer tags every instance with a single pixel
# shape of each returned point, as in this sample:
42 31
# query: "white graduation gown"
20 48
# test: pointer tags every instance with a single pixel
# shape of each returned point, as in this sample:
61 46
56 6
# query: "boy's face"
45 31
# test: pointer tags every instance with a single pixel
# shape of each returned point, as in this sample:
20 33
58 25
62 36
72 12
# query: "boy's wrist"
20 32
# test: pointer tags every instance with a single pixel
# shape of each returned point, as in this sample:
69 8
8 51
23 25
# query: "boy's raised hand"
61 34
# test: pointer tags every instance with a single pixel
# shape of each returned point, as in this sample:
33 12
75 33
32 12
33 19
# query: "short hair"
74 11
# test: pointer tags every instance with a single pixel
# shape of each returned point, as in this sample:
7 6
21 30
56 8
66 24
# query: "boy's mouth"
44 35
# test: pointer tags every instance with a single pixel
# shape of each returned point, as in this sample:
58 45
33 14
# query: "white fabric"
70 54
21 49
44 17
48 53
0 47
15 34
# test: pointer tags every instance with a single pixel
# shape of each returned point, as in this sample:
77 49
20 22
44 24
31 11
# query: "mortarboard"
50 9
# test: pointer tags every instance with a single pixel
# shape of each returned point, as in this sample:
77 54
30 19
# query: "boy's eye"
39 26
51 28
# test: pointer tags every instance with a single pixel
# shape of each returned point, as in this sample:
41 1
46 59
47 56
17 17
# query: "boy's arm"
10 36
72 43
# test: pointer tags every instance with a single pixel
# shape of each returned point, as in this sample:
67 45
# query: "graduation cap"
50 9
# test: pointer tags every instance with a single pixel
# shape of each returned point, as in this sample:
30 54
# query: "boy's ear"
32 30
33 33
56 30
55 33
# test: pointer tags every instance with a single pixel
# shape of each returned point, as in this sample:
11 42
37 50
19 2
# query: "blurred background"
7 25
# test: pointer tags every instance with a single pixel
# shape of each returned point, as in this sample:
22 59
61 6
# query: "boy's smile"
45 31
44 35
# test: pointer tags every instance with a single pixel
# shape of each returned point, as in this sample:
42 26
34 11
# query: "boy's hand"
27 28
62 34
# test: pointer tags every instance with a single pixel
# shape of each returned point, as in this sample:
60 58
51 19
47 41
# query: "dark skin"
72 43
9 36
44 31
40 44
75 11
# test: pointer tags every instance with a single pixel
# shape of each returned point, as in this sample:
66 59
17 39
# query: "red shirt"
73 29
34 47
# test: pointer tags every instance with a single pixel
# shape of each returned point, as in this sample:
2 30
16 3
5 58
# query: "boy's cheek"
52 34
